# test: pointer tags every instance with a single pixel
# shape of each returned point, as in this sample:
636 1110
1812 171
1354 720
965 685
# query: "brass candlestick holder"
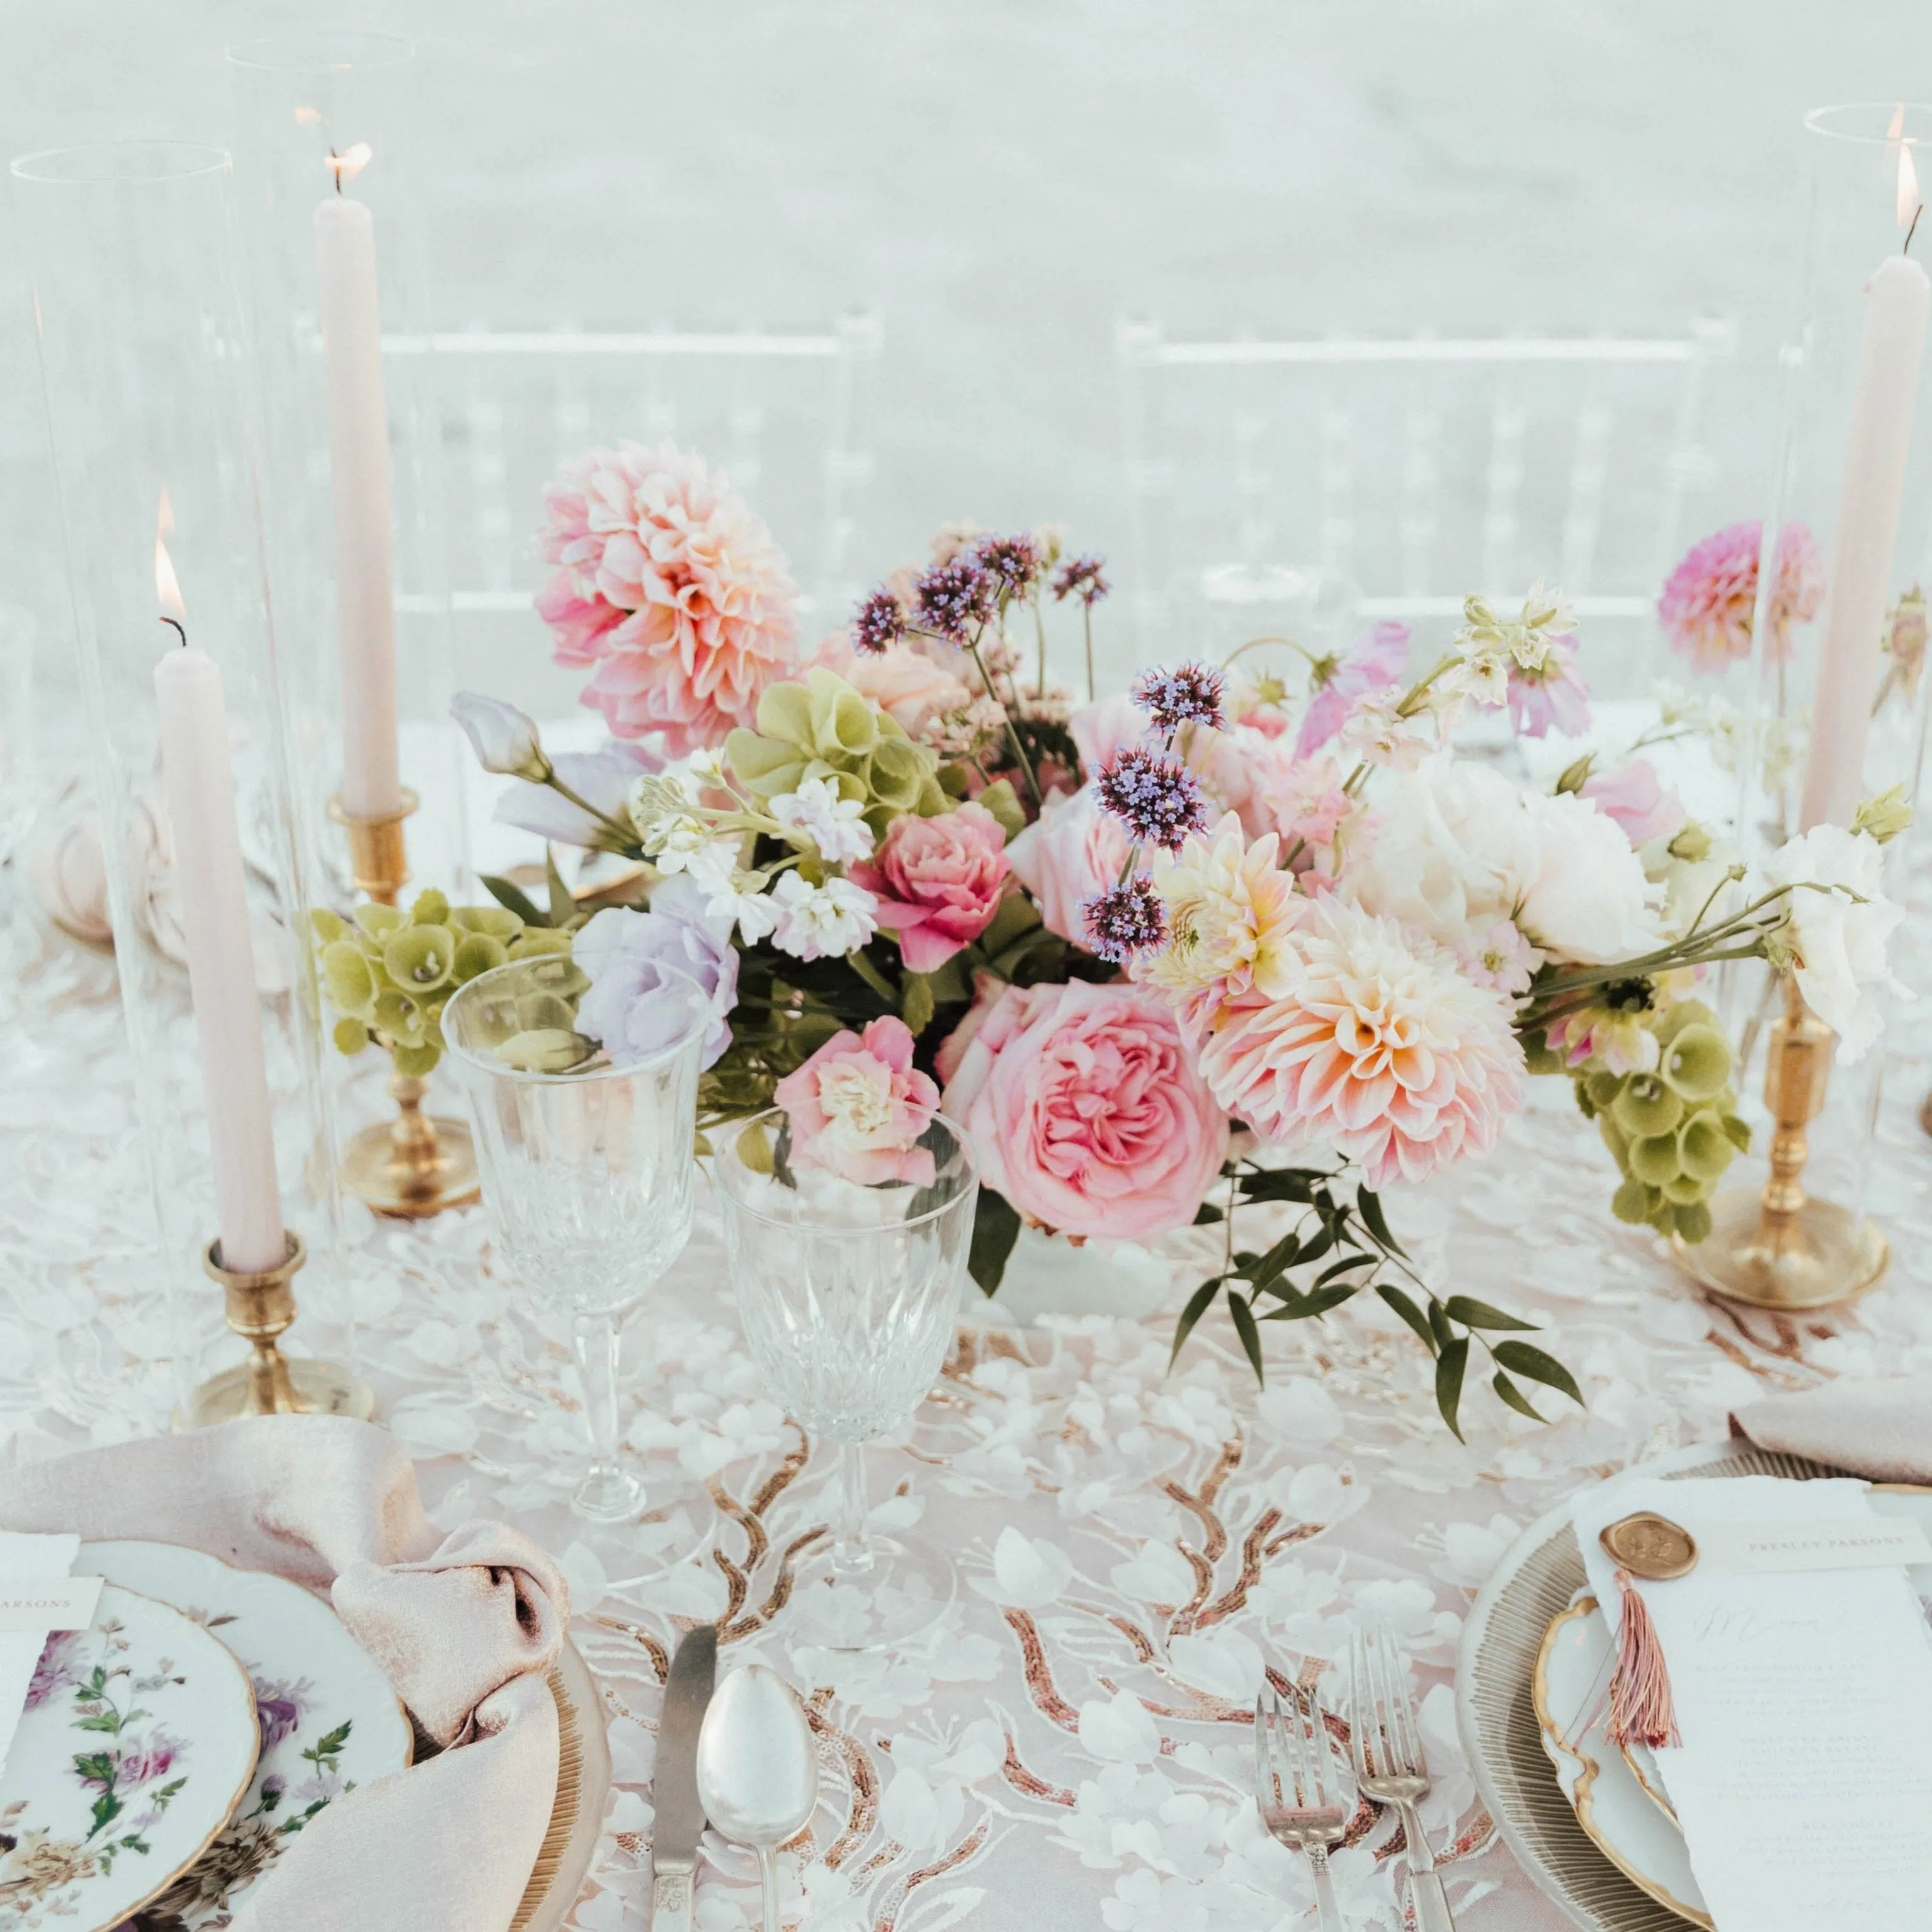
1780 1248
418 1164
260 1310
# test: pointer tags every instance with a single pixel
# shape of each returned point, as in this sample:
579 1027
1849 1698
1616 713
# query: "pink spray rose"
858 1105
1638 802
1072 851
670 585
1085 1108
937 881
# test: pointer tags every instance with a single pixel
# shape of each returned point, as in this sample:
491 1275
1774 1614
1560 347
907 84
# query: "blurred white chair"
781 414
1308 475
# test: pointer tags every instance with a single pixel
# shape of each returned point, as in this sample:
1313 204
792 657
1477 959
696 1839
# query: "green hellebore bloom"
351 1036
329 926
1693 1224
536 939
419 958
395 1015
1634 1201
414 1062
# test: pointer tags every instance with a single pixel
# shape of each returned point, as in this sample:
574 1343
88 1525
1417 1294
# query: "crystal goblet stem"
609 1493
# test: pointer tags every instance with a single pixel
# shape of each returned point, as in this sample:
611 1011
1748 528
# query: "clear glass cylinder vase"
146 377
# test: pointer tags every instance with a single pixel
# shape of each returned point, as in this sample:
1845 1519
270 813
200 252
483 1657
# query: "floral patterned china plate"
138 1739
328 1719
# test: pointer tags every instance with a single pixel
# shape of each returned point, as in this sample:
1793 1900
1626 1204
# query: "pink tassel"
1640 1707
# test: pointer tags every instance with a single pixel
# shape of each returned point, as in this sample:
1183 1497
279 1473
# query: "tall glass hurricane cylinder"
587 1178
145 367
849 1294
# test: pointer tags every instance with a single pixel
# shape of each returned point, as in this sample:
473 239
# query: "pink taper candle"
1896 299
220 957
358 460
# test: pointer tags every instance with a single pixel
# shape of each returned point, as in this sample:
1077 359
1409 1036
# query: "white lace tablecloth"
1070 1747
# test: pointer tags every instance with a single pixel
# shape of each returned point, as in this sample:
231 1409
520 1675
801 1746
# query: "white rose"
1452 851
1588 899
1839 940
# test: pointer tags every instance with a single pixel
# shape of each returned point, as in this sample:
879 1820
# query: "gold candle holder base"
414 1165
1779 1248
377 862
260 1309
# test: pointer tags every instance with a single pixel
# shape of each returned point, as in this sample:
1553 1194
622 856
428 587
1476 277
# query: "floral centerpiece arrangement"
1216 951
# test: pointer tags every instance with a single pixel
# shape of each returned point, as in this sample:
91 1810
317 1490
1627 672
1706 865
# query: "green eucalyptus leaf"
1251 1336
996 1227
1369 1206
1523 1358
1198 1303
1474 1314
917 1004
1406 1307
563 907
1514 1397
1450 1366
513 899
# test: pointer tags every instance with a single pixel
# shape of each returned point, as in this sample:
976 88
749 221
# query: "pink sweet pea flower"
938 882
1638 802
858 1105
1556 695
1373 660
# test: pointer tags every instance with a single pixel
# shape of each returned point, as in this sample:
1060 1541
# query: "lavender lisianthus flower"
647 968
602 779
504 739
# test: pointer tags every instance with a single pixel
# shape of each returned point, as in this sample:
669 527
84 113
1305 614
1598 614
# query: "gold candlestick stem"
261 1308
418 1164
1780 1247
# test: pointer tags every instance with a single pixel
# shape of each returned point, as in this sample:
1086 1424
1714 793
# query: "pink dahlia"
1382 1047
1710 598
670 585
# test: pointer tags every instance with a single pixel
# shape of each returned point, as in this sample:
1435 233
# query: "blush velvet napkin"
1881 1430
465 1625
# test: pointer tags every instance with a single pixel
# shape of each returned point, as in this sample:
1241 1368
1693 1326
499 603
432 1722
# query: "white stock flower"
831 822
742 898
1838 938
1375 732
822 922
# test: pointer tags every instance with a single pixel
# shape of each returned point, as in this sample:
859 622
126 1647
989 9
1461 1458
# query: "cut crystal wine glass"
587 1176
849 1297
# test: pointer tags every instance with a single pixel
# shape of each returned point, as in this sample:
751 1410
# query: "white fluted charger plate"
1539 1576
328 1719
138 1740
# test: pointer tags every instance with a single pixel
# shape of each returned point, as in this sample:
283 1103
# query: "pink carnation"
937 881
1384 1049
1072 851
672 587
1372 662
1085 1108
1638 802
858 1105
1710 600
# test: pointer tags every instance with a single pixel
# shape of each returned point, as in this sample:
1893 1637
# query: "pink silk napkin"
466 1626
1881 1430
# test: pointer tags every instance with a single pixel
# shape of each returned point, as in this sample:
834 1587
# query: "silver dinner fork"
1299 1792
1390 1766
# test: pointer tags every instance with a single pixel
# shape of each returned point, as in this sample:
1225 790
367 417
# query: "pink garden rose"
1638 802
938 882
670 585
1072 850
1085 1108
858 1105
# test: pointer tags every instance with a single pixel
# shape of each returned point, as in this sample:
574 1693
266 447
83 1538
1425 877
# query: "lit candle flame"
167 586
350 163
308 117
1908 185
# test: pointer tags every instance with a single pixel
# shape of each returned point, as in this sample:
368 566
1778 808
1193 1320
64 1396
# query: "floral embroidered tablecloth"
1136 1547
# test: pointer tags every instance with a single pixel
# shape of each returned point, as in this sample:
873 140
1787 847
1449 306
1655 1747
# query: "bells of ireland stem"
1673 1131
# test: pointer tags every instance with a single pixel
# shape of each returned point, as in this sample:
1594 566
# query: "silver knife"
680 1817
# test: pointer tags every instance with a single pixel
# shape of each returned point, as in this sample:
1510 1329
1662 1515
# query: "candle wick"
174 625
335 168
1907 248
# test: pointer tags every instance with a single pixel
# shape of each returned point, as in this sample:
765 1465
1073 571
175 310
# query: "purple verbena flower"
1191 695
879 623
1156 798
1013 563
1125 919
1080 577
954 599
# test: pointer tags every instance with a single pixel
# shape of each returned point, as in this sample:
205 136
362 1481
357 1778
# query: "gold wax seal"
1651 1546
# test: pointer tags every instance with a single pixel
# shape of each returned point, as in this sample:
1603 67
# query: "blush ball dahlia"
1382 1047
669 584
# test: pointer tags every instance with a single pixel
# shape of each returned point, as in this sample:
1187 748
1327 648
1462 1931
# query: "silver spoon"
757 1769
